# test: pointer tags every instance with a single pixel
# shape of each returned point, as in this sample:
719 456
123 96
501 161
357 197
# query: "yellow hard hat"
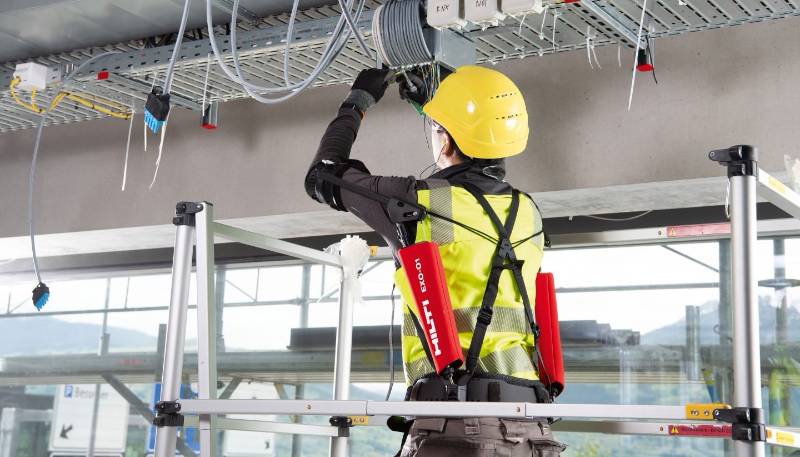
484 112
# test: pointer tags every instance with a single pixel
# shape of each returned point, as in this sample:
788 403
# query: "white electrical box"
36 76
445 13
520 7
483 11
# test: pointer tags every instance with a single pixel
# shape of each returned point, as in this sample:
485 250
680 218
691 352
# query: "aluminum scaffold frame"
744 422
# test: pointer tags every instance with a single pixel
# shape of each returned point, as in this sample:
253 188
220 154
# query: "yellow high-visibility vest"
508 347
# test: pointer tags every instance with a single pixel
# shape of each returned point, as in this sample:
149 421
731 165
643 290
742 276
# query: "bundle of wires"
41 293
338 40
397 31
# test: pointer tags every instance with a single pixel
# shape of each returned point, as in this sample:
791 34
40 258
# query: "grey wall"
716 88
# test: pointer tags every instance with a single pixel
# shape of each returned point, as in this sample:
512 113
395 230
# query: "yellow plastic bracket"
360 420
703 411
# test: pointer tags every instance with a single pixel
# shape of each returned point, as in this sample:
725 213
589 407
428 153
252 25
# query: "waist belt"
480 388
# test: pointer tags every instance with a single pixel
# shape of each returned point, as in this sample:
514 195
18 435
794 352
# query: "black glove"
368 88
373 81
412 88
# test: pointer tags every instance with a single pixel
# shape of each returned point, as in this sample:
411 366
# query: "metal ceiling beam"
612 20
196 52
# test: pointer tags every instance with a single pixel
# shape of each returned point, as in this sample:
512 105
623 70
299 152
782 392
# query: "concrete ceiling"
599 200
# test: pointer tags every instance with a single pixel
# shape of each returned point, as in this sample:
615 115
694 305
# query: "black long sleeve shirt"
336 145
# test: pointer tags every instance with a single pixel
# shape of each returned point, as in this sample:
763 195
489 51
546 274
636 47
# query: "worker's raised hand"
373 81
413 89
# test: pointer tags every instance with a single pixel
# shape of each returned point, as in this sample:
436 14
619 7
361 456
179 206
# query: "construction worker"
490 238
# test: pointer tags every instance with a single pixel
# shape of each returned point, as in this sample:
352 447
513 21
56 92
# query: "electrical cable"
160 150
636 53
127 151
391 348
289 39
397 29
41 293
622 219
177 49
335 45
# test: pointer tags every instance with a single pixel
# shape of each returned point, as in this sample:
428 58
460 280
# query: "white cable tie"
145 136
555 21
636 53
544 17
127 151
619 54
205 84
521 23
594 54
160 149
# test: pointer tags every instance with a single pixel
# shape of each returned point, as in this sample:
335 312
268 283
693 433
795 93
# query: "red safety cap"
645 67
101 75
209 126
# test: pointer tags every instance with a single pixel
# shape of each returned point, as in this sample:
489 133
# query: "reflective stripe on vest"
508 346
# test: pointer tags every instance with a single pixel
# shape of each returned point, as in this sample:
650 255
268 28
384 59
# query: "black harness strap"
504 259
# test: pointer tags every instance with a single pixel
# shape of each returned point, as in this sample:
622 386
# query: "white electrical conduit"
177 49
32 175
335 44
636 53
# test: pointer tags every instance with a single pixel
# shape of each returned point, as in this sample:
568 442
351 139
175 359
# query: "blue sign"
68 389
188 434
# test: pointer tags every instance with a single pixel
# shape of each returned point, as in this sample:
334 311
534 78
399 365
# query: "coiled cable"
397 28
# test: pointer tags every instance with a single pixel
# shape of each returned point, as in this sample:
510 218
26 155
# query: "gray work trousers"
480 437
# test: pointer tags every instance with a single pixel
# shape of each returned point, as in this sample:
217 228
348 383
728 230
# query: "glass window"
640 324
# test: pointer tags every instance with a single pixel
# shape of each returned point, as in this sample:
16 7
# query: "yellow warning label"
360 420
776 185
703 411
673 430
784 438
